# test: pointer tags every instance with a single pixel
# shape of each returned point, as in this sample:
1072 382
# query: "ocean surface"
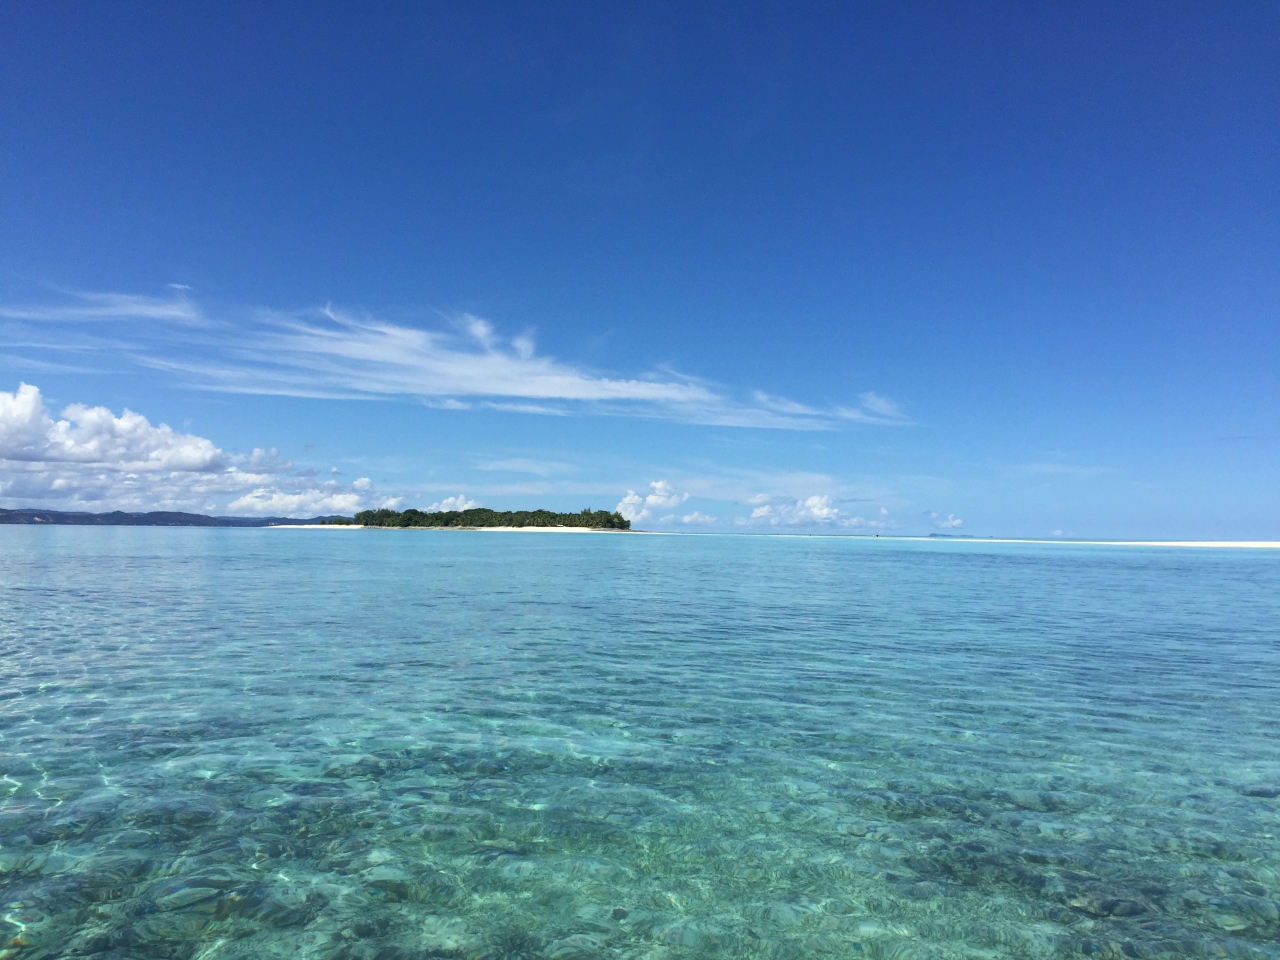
392 745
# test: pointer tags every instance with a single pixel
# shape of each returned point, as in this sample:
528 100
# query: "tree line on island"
484 517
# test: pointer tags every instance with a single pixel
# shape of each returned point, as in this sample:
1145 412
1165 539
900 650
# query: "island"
479 517
155 518
484 517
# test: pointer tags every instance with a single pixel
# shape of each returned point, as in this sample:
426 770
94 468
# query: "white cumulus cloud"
949 522
269 502
815 510
697 518
452 504
94 435
89 458
635 508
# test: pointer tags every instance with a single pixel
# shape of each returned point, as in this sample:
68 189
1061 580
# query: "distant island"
484 517
155 518
478 517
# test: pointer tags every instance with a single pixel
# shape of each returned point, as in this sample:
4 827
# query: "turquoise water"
413 744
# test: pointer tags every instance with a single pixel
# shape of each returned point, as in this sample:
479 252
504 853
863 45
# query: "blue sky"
988 268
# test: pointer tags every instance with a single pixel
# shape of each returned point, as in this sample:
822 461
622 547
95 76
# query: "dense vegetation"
484 517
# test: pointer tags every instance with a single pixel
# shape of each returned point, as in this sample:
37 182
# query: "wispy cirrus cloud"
88 306
463 363
539 468
1055 469
873 408
370 356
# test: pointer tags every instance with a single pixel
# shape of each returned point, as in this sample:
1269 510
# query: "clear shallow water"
411 744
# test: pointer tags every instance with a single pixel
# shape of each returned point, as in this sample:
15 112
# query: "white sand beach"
358 526
1216 544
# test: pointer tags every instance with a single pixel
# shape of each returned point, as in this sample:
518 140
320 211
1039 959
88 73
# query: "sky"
1005 269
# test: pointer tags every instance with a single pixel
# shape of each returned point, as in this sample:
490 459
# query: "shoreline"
1209 544
1185 544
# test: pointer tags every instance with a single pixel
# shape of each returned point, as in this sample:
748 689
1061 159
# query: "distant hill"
156 518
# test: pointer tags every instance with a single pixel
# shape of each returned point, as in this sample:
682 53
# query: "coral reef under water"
206 755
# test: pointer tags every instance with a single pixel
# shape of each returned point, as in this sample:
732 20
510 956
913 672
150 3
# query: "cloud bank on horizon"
91 459
329 353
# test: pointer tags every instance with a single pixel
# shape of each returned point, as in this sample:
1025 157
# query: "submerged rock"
1268 790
